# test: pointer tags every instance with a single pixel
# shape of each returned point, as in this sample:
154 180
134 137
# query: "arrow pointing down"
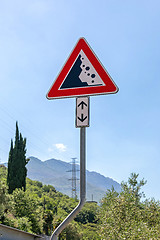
82 119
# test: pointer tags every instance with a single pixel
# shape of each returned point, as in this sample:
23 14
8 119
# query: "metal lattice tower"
74 178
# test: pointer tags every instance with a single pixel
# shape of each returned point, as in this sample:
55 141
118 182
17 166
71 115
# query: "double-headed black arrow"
82 104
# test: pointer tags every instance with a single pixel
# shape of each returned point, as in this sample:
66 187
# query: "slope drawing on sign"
82 74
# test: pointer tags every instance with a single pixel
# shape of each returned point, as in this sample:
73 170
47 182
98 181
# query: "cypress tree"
17 171
10 168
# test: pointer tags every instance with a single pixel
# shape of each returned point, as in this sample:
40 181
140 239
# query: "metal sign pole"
72 215
82 165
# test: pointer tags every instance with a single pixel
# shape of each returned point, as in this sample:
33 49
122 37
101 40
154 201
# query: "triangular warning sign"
82 75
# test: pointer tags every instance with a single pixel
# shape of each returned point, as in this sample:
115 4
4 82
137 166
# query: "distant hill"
55 172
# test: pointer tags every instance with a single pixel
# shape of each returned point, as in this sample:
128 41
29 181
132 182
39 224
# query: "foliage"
125 216
17 161
26 204
4 196
40 209
90 231
88 214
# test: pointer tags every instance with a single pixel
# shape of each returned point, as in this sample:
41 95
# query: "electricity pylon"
74 178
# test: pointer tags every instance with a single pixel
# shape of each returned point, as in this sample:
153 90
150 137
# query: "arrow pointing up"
82 104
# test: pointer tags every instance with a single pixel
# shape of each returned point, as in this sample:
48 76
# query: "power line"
34 134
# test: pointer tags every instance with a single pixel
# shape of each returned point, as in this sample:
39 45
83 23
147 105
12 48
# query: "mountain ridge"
57 173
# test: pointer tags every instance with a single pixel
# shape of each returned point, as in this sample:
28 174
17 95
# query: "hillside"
41 208
55 172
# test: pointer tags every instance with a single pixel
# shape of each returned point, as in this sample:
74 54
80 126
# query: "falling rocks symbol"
82 74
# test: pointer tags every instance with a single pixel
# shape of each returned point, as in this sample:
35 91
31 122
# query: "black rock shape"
72 80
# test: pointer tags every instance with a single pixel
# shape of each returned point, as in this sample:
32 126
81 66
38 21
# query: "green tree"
126 215
17 161
88 214
27 204
3 193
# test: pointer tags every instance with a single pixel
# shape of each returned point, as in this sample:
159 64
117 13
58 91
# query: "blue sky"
36 38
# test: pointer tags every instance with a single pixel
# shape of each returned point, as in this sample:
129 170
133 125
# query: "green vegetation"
17 161
36 208
126 216
40 209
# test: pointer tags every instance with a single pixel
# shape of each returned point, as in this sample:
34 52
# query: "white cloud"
61 147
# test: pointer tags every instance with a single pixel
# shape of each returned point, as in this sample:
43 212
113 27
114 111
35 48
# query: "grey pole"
72 215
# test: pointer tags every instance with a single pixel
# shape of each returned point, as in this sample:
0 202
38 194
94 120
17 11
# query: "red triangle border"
108 88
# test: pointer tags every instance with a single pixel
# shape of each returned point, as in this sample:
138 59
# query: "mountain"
58 173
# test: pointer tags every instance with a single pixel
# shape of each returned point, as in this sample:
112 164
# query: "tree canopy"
17 161
128 214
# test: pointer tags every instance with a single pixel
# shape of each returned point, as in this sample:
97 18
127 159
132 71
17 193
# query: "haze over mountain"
58 173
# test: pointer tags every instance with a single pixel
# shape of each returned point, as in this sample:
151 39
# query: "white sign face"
82 112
